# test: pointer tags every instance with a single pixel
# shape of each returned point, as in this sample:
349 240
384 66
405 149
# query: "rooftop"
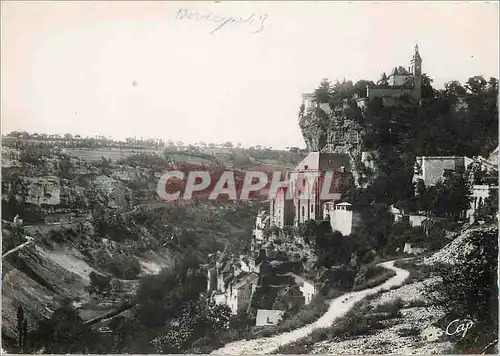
316 161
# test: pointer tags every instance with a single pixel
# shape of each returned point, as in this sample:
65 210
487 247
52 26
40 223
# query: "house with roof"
281 209
431 169
481 173
239 293
268 317
261 222
307 287
401 82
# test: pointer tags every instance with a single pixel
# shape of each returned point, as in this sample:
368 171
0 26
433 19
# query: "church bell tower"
417 74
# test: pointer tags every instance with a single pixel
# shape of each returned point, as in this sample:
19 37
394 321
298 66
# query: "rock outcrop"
339 131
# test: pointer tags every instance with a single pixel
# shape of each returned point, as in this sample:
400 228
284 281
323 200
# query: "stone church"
340 133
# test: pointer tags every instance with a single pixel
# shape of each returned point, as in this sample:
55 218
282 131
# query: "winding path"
18 247
338 307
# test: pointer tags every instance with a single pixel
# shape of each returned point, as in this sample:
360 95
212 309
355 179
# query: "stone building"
400 82
481 174
339 129
430 169
307 288
304 201
343 219
281 209
239 293
304 180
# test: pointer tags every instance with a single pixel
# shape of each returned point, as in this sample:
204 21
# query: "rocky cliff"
338 130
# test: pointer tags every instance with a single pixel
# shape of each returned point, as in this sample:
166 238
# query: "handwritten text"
254 21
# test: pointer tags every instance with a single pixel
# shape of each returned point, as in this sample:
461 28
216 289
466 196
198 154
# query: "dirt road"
338 307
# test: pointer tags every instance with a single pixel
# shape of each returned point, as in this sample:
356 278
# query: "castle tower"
416 64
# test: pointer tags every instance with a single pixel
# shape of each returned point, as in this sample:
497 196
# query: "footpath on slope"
338 307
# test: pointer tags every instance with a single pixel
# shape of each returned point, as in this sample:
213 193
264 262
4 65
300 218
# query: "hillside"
90 215
416 322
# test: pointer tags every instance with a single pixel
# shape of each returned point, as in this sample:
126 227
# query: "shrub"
99 283
126 267
469 290
418 271
392 308
371 276
405 332
416 303
357 321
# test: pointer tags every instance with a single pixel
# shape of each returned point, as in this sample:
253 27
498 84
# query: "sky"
158 70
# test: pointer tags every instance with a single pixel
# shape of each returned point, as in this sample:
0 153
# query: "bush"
99 283
469 289
126 267
416 303
12 240
405 332
361 319
371 276
392 308
418 271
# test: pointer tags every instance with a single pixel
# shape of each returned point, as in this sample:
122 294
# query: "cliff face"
338 130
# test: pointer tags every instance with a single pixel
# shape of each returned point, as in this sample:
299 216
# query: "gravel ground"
388 341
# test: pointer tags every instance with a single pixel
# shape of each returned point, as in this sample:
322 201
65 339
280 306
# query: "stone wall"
431 169
380 92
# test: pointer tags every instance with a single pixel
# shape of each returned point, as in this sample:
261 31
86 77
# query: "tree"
427 91
360 87
454 89
323 93
476 84
21 329
158 304
228 144
450 197
126 267
65 167
65 333
489 209
99 283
